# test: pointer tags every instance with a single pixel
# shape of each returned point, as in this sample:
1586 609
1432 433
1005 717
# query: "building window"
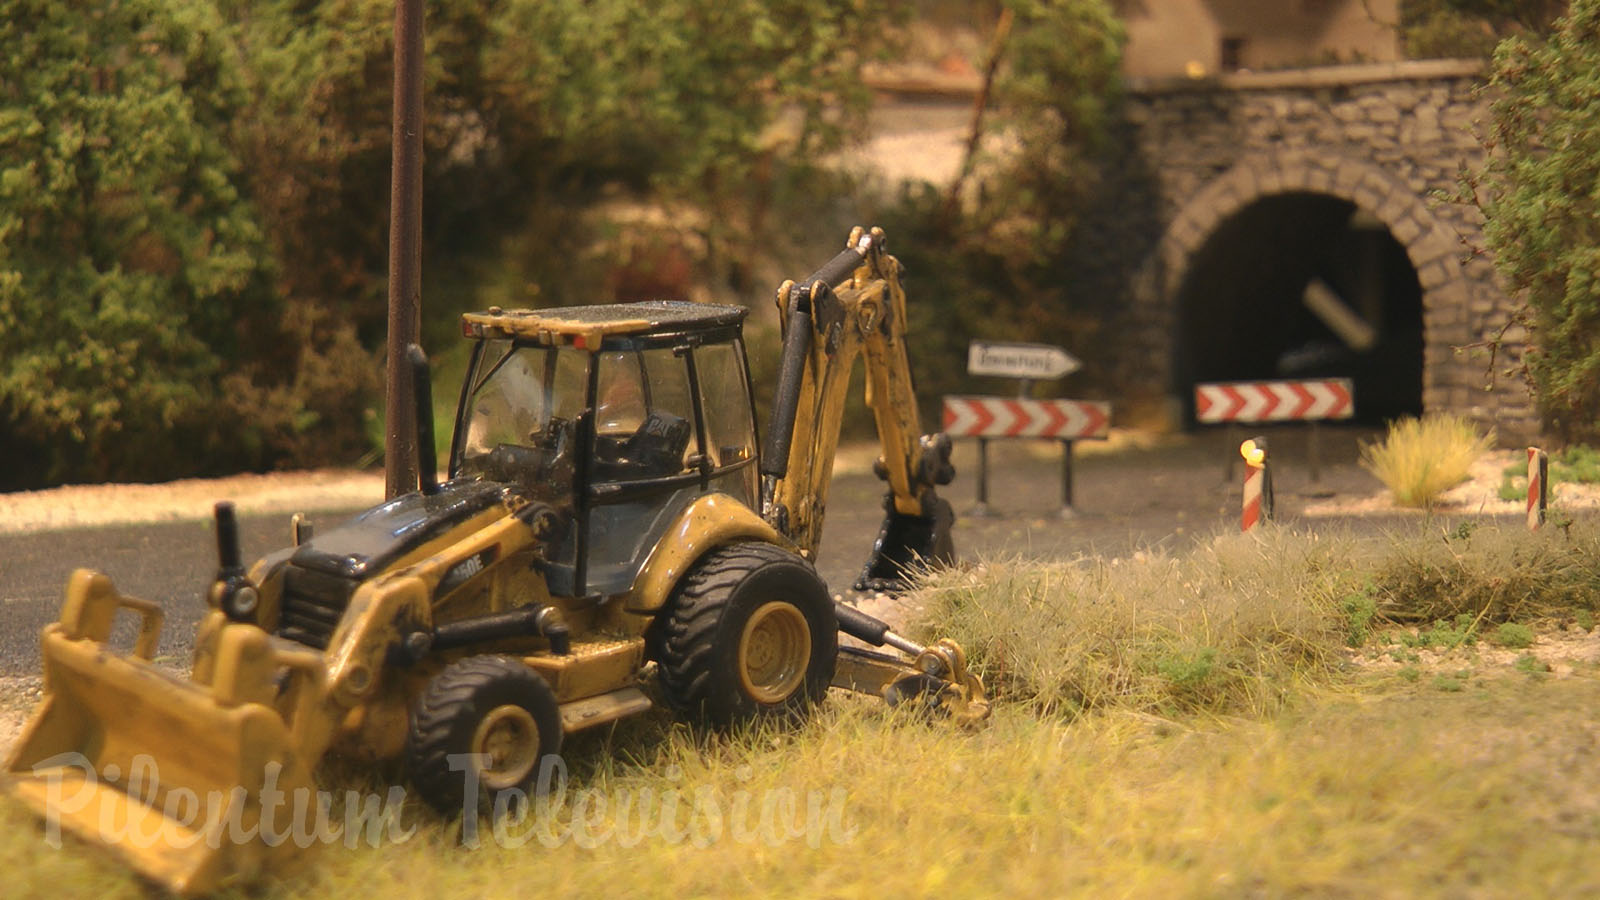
1232 54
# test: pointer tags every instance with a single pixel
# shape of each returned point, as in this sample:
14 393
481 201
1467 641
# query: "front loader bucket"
906 543
170 775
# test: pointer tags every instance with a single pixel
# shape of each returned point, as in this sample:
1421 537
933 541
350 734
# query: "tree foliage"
996 265
1471 28
530 105
127 253
1542 207
1531 16
193 193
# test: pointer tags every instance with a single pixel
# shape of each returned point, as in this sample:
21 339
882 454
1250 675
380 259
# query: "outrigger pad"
907 543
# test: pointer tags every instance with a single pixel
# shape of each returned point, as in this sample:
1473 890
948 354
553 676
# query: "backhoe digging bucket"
906 543
170 775
927 684
933 679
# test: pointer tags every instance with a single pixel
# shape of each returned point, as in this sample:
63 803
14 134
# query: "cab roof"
587 326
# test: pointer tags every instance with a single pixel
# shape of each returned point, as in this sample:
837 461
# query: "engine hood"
373 541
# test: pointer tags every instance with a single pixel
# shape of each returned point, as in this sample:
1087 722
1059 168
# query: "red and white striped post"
1538 486
1257 484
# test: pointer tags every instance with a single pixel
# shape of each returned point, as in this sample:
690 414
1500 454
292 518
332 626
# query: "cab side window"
730 431
643 416
730 436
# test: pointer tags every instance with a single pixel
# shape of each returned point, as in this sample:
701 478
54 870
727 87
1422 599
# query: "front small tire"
492 707
748 634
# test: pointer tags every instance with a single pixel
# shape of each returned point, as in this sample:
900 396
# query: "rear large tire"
492 706
749 633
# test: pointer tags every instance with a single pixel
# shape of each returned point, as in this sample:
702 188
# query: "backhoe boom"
853 306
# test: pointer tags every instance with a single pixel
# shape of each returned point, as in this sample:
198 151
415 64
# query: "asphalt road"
1165 497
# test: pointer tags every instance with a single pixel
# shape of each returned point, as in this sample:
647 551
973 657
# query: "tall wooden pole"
405 249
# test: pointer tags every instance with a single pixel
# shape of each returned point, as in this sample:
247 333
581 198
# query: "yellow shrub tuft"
1420 459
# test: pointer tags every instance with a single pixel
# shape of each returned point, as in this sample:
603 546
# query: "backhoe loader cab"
617 417
607 522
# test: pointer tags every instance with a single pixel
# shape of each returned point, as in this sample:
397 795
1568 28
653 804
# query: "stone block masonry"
1389 138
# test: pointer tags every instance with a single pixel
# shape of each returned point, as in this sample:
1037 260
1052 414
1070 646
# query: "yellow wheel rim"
774 651
508 739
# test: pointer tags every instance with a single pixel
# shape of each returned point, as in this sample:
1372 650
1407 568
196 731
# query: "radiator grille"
313 604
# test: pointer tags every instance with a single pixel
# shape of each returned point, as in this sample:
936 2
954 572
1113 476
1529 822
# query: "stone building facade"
1206 37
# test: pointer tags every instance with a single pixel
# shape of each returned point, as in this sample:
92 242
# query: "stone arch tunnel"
1303 285
1302 223
1295 223
1299 265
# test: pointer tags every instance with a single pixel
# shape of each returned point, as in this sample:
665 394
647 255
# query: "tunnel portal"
1304 285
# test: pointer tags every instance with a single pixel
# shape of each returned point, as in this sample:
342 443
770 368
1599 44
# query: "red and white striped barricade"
1020 417
1274 401
1254 402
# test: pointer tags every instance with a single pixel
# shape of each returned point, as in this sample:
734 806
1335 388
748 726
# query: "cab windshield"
518 424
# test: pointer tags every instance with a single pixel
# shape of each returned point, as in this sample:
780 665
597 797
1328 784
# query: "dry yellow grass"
1419 459
1234 626
1168 726
1417 794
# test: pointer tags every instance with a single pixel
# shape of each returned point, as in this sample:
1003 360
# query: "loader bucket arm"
853 307
176 777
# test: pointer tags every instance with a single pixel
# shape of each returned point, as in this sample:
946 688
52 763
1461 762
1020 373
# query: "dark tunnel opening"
1304 285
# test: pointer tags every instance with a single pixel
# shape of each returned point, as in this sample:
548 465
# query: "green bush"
194 196
1541 218
132 266
1513 635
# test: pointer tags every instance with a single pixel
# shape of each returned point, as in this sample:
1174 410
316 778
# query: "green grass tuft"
1444 635
1513 635
1531 665
1359 610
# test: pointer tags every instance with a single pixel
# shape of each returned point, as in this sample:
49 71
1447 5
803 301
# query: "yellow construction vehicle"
608 515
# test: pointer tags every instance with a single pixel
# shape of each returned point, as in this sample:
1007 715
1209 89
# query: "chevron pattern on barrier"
1068 420
1274 401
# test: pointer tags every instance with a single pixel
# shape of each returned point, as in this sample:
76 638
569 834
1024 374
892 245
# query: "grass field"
1267 716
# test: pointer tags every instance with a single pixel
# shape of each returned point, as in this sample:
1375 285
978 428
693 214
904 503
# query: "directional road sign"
1030 361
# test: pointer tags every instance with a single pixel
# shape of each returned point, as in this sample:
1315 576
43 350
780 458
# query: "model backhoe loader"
608 517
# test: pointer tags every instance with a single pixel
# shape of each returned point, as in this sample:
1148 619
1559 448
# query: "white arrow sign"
1019 360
